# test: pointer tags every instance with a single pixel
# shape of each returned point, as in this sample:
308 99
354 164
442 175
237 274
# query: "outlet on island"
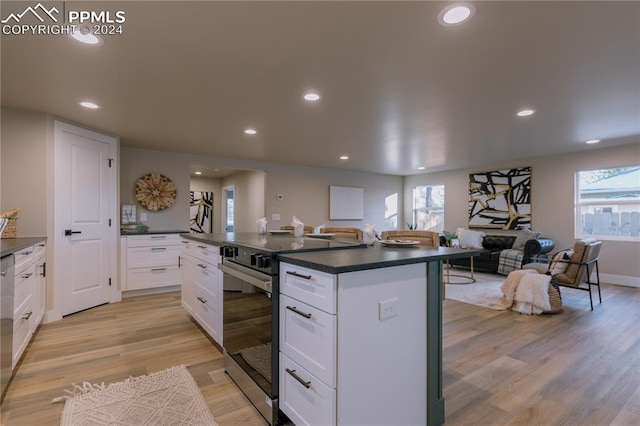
388 308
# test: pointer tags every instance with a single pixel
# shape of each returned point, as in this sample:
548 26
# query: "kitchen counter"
12 245
340 261
219 239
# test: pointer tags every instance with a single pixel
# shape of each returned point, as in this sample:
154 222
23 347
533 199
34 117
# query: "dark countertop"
171 231
219 239
12 245
340 261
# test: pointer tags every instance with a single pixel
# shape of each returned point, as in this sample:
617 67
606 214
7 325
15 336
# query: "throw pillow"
470 239
556 267
525 235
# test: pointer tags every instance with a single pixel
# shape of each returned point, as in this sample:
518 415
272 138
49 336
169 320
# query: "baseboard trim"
148 291
623 280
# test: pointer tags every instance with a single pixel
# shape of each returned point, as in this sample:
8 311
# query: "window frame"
425 209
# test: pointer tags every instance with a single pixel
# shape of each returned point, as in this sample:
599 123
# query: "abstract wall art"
201 212
500 199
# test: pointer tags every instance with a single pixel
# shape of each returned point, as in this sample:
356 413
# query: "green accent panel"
435 399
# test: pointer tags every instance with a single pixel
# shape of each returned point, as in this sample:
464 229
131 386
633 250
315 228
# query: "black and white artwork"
201 212
500 199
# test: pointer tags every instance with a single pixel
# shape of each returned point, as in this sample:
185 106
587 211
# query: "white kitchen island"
361 336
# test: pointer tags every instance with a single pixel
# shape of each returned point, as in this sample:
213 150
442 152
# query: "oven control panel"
260 261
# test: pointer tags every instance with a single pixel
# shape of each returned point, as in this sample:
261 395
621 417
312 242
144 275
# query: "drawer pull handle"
25 276
202 247
293 308
295 274
27 253
202 300
202 266
27 315
159 236
158 248
298 378
158 269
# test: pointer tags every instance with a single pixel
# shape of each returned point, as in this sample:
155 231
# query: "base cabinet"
150 261
353 346
29 297
202 285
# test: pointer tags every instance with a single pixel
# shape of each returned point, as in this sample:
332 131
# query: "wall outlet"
143 217
275 216
388 308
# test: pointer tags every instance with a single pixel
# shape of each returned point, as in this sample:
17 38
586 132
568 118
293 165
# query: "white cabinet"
343 360
202 285
151 261
29 296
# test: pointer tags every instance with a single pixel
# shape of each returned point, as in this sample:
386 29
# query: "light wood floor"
576 368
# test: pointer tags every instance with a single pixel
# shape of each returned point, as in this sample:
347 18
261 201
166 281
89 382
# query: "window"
391 211
608 203
428 207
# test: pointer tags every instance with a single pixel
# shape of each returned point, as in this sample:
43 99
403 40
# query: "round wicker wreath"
155 191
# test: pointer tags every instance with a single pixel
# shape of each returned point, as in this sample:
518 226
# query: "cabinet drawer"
206 252
23 258
153 240
317 289
311 342
315 405
21 331
186 247
163 276
23 287
205 310
138 257
39 250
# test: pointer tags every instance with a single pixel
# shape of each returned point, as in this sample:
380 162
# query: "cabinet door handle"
158 269
27 315
293 308
202 266
201 299
158 248
298 378
44 270
295 274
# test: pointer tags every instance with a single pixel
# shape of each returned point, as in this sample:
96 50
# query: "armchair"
343 232
426 238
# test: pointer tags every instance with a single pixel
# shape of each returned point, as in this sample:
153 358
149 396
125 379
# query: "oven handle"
247 275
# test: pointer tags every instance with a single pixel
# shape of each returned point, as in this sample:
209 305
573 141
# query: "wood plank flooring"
500 368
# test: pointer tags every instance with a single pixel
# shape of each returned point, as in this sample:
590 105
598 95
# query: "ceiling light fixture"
89 105
311 97
526 112
92 39
421 168
250 132
592 141
197 173
344 157
456 14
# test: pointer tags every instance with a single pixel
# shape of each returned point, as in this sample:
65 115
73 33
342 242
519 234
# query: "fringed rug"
169 397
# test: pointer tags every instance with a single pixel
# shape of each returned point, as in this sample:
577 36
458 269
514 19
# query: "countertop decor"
155 191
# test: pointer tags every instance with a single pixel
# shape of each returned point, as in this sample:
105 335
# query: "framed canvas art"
201 212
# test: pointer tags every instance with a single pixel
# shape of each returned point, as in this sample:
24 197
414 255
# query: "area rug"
169 397
484 292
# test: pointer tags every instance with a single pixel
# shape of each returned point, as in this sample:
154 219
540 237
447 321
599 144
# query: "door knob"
68 232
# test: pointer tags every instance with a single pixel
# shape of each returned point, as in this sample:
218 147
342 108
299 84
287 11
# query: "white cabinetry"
202 285
29 296
343 360
151 261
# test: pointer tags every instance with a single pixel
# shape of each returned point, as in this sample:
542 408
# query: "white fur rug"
484 292
169 397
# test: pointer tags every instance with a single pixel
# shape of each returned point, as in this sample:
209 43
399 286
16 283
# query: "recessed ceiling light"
311 96
592 141
198 173
526 112
456 14
421 168
89 105
250 132
344 157
88 38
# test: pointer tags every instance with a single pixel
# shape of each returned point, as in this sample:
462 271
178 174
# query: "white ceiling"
398 90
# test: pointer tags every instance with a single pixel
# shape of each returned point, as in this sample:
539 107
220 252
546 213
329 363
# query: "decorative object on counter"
262 225
201 212
155 191
139 400
500 199
11 224
128 214
133 228
298 227
369 235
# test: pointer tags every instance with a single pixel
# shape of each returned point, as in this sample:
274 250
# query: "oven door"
249 324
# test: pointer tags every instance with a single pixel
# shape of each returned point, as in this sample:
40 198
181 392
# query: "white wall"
552 199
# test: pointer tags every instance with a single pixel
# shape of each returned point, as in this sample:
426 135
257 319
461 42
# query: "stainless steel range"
250 312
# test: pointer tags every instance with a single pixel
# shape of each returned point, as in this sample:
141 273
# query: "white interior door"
84 199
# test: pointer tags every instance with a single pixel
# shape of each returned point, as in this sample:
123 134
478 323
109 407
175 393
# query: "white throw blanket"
526 291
